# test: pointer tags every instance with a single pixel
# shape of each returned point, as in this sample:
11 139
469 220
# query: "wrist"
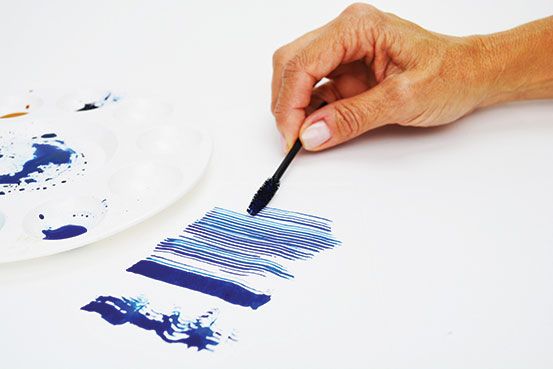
490 70
515 64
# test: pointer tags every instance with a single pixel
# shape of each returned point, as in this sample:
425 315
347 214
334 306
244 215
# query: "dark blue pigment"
227 291
41 216
224 253
66 231
199 333
45 154
99 103
88 106
49 135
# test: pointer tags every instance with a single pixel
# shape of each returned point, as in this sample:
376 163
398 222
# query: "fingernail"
315 135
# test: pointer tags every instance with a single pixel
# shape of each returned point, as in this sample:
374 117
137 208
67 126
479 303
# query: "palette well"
76 167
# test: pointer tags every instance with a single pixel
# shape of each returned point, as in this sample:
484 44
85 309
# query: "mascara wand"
271 185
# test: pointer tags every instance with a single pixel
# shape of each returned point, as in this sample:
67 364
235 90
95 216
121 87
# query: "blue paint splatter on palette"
36 163
45 154
63 232
108 98
229 255
56 225
201 332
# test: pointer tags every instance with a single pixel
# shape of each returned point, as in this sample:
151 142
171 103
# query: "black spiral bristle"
263 196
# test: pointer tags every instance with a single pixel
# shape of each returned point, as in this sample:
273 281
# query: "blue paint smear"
66 231
99 103
199 333
224 253
227 291
45 154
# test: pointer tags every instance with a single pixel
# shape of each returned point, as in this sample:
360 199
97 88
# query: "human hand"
381 70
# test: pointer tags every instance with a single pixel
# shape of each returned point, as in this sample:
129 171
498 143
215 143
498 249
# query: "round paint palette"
78 167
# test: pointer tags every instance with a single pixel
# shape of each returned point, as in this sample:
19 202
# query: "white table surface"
447 256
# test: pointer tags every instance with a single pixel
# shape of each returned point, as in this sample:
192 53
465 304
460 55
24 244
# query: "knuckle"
297 61
358 8
403 90
279 56
360 18
291 67
348 120
281 109
278 109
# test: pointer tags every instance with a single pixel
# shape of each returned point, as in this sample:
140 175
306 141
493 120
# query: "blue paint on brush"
225 290
172 328
44 154
66 231
226 254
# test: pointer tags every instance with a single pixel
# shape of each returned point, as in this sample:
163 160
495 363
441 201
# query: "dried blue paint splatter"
201 333
34 163
108 98
63 232
57 225
228 254
45 154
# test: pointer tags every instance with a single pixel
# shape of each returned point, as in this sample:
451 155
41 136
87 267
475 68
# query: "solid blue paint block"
225 290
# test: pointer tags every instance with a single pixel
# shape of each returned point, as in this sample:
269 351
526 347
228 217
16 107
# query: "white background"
447 256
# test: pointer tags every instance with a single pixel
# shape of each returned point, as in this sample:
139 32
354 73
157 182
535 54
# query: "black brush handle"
291 154
287 160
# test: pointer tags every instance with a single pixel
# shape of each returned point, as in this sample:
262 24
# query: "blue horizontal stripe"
227 291
173 264
237 250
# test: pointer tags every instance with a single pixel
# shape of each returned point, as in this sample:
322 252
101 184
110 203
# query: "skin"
374 69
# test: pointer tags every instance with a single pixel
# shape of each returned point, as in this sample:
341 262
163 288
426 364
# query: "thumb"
348 118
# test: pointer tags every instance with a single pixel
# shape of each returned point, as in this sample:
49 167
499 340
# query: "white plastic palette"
78 167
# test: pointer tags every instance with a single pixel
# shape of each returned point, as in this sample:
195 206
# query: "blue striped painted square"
231 255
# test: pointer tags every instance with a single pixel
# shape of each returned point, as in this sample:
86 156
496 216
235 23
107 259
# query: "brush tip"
263 196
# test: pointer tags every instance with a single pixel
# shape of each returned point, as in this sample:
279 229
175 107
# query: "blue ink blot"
63 232
45 154
230 255
109 97
36 163
172 328
41 216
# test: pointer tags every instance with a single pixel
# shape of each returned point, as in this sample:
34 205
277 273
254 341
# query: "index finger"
282 56
299 76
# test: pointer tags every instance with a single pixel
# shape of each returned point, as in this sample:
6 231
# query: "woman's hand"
381 70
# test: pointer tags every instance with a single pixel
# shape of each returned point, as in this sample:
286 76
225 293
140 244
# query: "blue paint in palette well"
63 232
108 98
200 333
44 154
228 254
36 163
